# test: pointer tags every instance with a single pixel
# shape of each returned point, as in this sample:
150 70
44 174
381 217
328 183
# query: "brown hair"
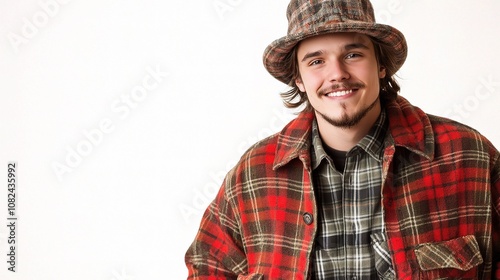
389 88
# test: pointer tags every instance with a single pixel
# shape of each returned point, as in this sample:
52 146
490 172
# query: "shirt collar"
372 143
318 154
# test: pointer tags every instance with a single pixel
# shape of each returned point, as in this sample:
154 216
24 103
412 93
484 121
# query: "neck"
342 138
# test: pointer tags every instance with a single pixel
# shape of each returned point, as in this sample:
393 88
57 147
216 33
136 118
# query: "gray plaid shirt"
350 242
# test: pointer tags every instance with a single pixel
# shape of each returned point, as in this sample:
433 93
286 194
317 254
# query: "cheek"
370 75
311 81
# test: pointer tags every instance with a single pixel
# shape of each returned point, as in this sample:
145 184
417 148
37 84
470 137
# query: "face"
340 75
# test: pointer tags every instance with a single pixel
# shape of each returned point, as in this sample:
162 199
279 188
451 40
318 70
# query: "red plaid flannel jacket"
441 197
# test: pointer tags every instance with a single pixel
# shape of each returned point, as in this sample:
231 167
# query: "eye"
315 62
353 55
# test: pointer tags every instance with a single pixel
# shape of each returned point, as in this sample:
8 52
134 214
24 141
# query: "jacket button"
308 218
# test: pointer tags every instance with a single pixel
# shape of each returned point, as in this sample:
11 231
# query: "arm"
217 251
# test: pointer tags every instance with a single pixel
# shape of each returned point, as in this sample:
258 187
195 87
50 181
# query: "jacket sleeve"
217 251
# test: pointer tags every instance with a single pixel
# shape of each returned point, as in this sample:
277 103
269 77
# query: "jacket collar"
409 127
294 141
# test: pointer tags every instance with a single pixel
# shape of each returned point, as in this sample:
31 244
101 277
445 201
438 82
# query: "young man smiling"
340 74
361 185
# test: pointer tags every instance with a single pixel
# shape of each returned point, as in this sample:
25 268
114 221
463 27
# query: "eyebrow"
348 47
311 54
356 46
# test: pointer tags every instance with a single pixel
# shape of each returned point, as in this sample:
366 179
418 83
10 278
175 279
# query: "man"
361 185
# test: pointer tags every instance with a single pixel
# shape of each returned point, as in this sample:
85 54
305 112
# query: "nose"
337 71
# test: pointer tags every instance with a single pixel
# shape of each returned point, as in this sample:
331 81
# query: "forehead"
333 41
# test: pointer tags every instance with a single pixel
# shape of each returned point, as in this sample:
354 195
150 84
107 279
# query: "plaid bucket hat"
307 18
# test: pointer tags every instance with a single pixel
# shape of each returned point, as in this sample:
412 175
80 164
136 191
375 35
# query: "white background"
114 190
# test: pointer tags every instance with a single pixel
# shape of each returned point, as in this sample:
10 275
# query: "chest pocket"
456 258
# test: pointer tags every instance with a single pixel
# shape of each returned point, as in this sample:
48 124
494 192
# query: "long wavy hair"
389 88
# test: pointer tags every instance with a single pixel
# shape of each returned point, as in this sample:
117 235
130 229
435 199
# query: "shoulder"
261 152
291 142
411 120
448 129
260 155
455 136
284 150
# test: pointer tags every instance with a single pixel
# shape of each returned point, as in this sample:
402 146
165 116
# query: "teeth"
339 93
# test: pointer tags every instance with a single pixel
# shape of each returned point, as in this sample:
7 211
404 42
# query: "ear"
381 73
300 84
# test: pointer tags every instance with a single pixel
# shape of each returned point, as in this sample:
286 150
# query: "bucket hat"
307 18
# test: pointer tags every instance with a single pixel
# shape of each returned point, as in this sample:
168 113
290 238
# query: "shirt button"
308 218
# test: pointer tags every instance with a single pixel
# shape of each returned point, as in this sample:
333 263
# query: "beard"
345 121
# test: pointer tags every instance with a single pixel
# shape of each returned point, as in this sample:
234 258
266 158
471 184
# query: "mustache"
343 85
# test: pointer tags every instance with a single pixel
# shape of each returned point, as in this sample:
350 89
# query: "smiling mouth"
340 93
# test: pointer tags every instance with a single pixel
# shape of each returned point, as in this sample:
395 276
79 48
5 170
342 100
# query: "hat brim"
275 54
